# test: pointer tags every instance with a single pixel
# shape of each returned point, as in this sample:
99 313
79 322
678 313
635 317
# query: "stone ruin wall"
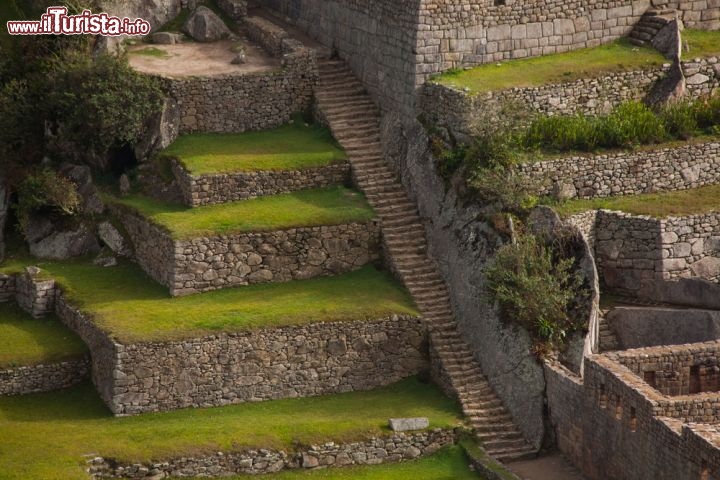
702 14
628 172
387 449
375 37
208 189
619 434
209 263
43 377
633 250
255 101
264 364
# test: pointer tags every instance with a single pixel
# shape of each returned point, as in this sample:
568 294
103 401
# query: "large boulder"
61 245
160 131
205 26
112 238
82 178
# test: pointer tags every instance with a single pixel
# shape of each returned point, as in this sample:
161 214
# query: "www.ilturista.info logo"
57 22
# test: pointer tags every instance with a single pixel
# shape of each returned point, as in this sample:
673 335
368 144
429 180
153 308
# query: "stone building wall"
700 14
253 101
691 246
44 377
389 449
209 263
629 173
228 187
266 364
467 113
622 433
376 37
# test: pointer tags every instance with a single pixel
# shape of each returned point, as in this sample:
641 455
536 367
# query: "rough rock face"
461 243
112 238
82 178
60 245
161 131
205 26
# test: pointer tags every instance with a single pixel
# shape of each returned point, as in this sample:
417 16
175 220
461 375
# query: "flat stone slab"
408 424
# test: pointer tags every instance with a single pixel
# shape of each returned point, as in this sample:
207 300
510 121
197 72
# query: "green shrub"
681 119
99 105
534 289
629 125
707 113
46 191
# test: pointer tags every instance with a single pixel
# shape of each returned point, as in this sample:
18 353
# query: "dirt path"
199 59
548 467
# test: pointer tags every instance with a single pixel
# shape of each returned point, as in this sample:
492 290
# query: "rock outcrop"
205 26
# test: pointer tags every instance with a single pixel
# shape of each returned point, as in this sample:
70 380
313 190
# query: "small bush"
533 289
629 125
46 191
681 120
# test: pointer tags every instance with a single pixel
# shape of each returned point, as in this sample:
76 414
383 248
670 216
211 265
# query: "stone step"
513 454
641 36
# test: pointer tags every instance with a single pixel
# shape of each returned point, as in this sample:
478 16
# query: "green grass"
558 68
290 147
685 202
151 52
25 340
44 436
701 43
327 206
129 305
450 463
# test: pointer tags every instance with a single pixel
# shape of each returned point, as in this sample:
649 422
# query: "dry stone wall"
254 101
395 448
702 14
210 189
43 377
691 246
628 173
702 75
266 364
467 113
35 295
621 433
209 263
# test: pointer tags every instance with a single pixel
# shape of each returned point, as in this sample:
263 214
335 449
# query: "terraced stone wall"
210 263
462 112
228 187
691 246
44 377
254 101
702 76
629 173
390 449
266 364
622 433
35 295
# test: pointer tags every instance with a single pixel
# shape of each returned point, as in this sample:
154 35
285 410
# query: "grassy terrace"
448 464
328 206
290 147
132 307
685 202
46 435
701 43
557 68
28 341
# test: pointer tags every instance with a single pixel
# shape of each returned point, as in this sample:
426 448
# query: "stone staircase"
608 339
649 25
354 121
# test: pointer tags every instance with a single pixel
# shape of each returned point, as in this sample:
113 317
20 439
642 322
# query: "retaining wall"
228 187
264 364
43 377
389 449
253 101
628 173
209 263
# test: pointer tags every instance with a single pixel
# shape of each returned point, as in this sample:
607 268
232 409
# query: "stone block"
408 424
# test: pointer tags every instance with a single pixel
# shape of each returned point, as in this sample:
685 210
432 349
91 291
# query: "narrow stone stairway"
354 120
608 340
651 22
